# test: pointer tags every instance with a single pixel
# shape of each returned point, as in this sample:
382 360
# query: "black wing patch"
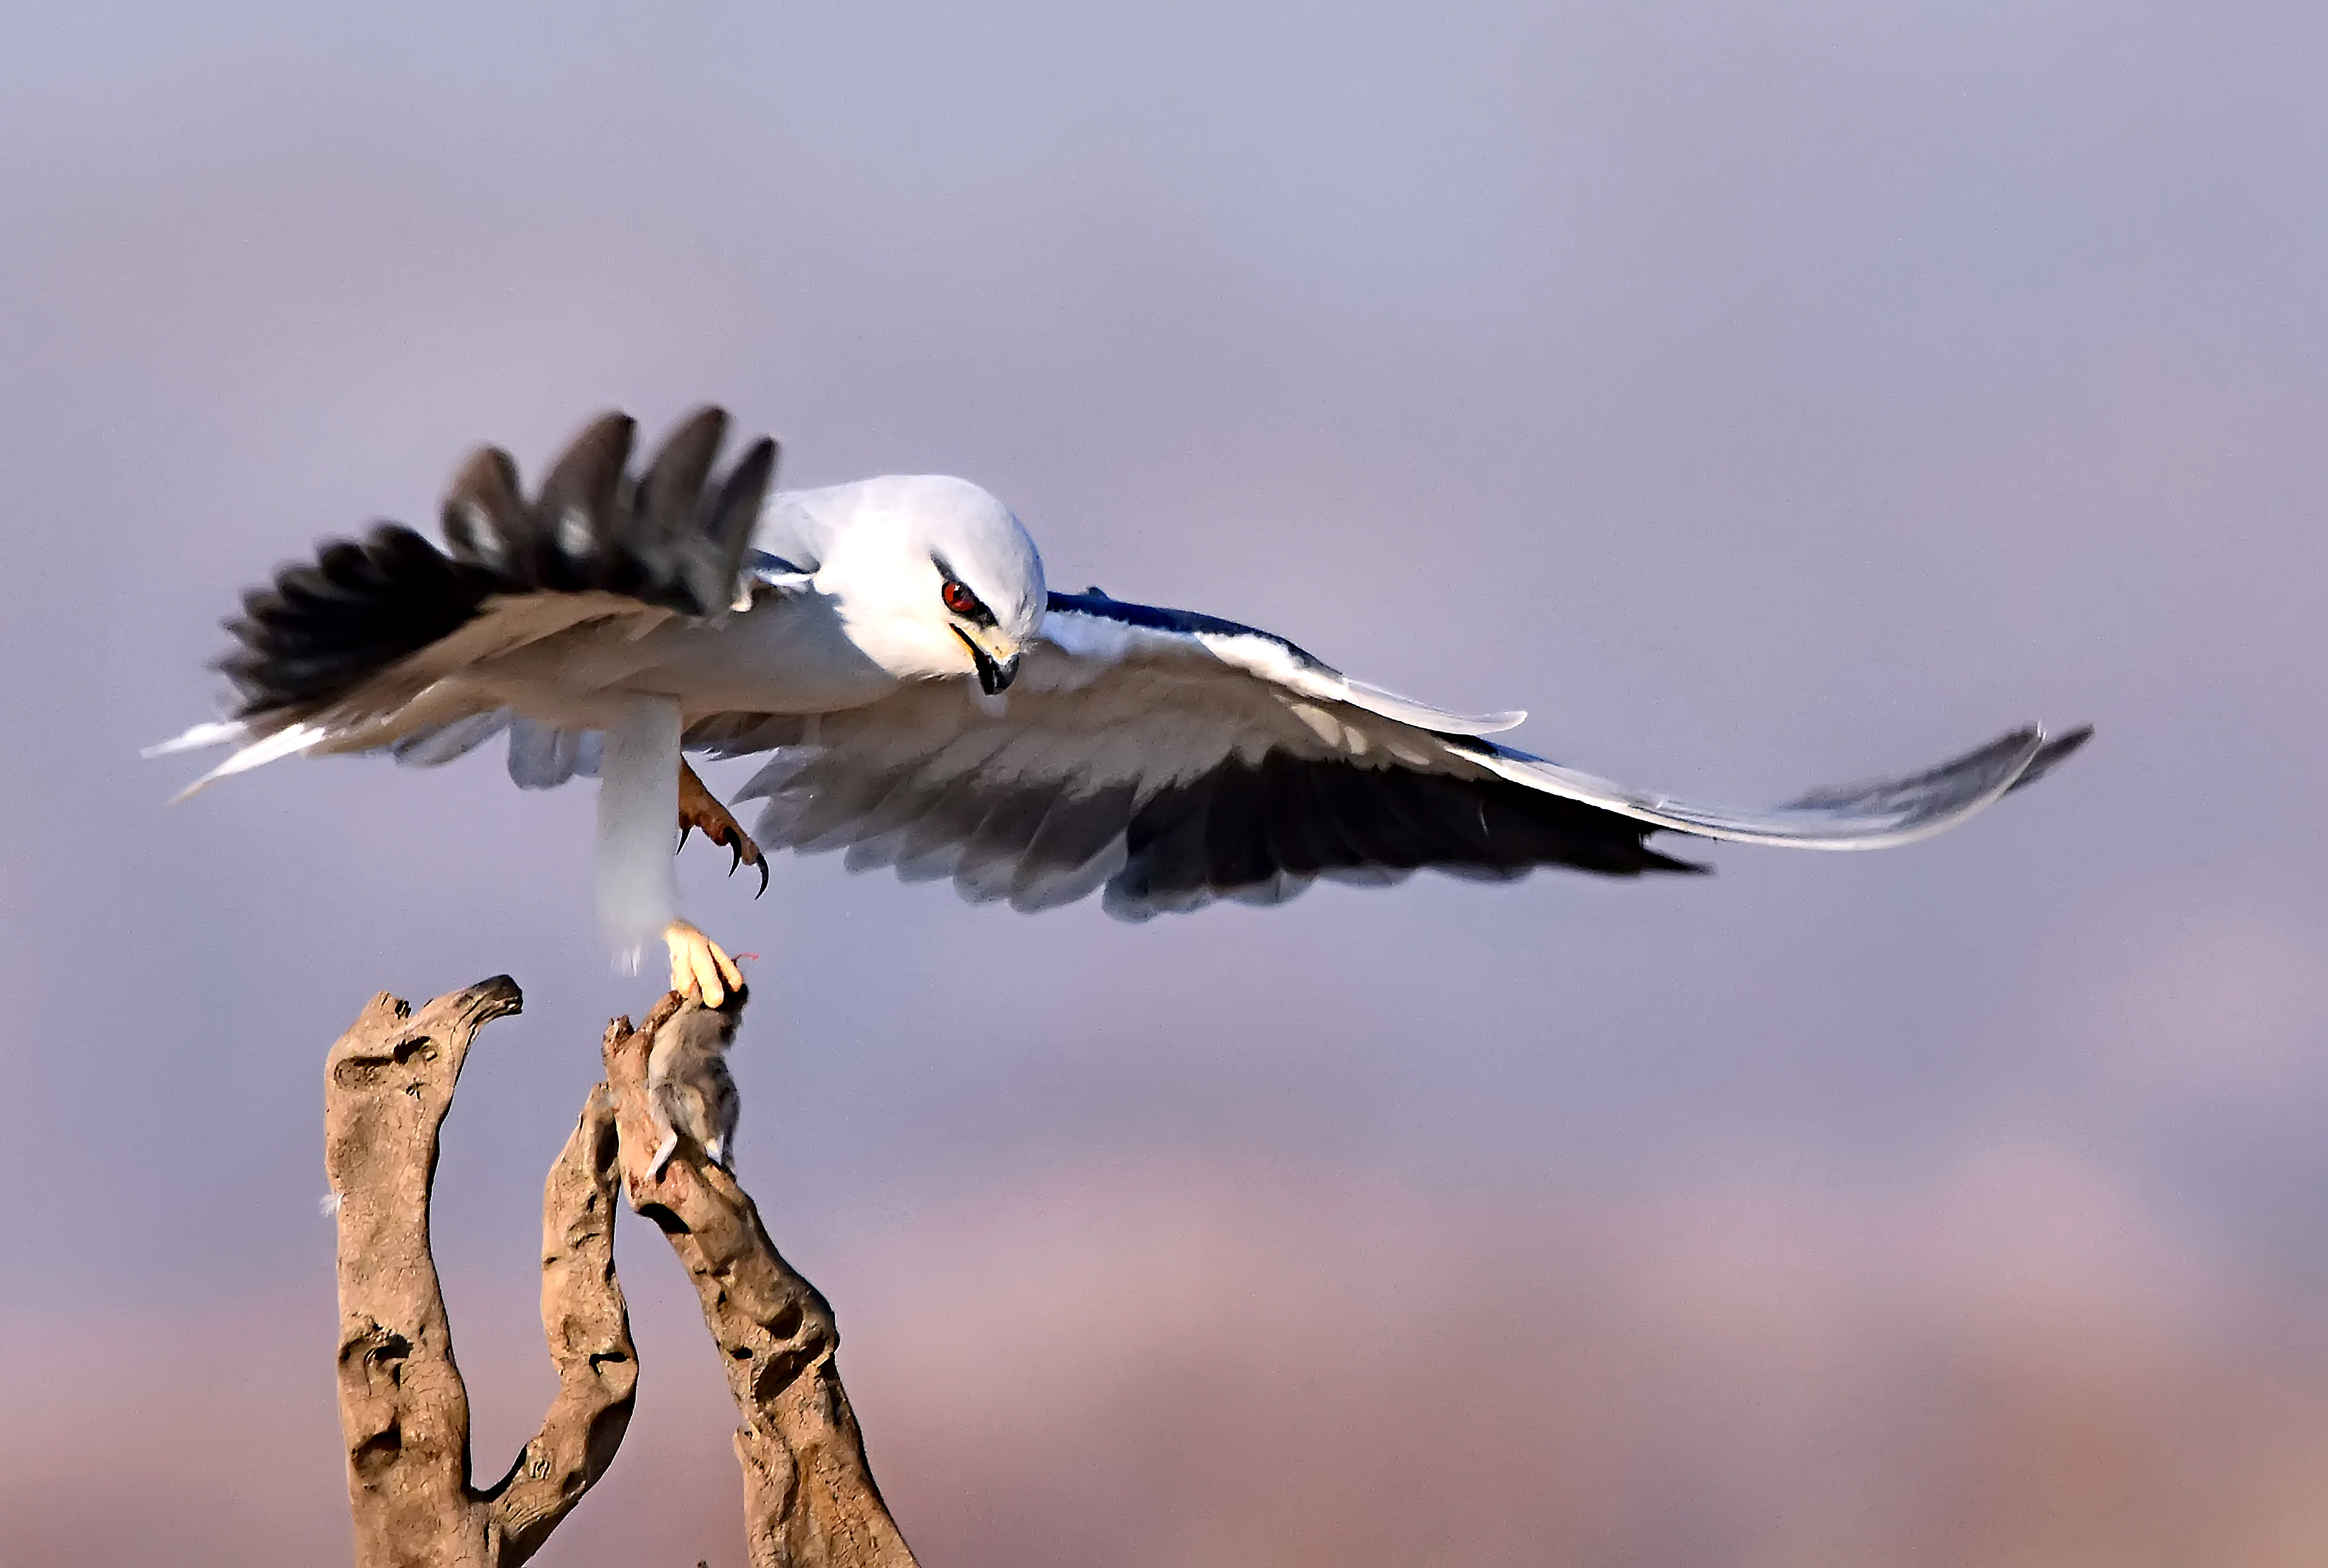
1268 829
671 538
321 630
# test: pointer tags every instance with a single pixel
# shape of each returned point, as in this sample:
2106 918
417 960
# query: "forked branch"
809 1496
403 1409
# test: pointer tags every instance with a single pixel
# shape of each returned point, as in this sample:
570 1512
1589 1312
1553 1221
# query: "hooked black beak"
994 675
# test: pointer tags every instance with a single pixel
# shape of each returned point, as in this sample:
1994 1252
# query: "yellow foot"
700 966
700 808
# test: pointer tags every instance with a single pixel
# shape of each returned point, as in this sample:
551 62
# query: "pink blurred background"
1762 394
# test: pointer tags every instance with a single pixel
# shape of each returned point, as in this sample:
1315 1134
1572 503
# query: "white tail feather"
200 737
289 741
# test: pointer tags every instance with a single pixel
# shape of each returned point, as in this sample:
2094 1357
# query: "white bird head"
930 576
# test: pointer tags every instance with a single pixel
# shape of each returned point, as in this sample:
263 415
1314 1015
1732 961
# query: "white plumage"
930 705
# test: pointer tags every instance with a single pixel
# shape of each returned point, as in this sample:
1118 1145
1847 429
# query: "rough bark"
403 1410
588 1328
810 1500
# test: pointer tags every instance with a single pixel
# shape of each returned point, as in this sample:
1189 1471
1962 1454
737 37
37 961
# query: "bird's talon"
700 808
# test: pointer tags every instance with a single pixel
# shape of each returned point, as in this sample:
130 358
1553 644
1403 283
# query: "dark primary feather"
1244 826
324 629
2051 755
670 538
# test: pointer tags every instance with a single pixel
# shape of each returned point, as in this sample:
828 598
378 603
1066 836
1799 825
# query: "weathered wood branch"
809 1496
589 1327
403 1409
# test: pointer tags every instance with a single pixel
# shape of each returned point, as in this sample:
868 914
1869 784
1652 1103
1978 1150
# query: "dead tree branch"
588 1328
403 1409
809 1496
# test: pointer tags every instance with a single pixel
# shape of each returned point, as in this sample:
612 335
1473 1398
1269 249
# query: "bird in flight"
927 703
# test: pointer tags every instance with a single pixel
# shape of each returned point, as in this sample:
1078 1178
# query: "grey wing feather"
1874 815
1169 759
542 757
436 746
2056 750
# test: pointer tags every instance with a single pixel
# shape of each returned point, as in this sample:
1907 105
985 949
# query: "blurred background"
1764 394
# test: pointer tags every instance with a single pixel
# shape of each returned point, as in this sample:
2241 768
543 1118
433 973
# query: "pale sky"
1762 395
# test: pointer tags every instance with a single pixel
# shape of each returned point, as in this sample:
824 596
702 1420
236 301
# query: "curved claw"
700 808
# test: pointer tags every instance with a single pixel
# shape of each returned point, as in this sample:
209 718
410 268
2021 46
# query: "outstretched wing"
365 647
1171 759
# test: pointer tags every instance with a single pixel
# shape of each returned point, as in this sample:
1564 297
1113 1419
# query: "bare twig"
809 1496
403 1409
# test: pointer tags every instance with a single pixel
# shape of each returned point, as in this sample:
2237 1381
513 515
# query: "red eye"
960 599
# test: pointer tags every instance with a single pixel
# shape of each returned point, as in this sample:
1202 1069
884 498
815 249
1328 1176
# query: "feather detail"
288 741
